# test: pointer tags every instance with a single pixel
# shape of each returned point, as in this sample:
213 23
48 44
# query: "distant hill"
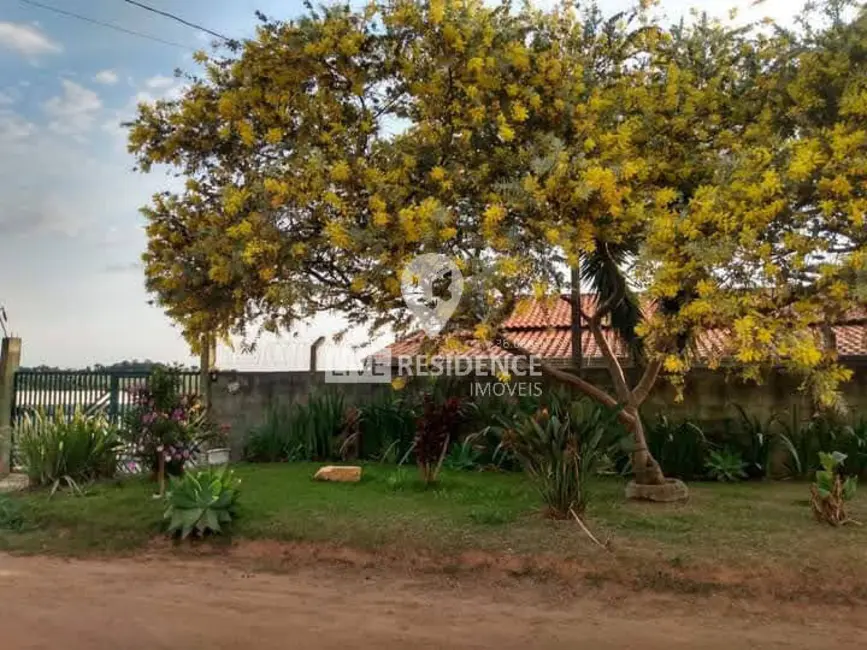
133 365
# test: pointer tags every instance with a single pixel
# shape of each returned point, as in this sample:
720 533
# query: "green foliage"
758 439
11 513
832 465
831 489
465 455
726 466
317 424
680 447
163 420
270 441
302 431
561 448
387 426
57 450
488 417
398 480
201 502
804 442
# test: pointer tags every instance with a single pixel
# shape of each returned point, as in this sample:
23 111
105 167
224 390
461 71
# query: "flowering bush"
165 423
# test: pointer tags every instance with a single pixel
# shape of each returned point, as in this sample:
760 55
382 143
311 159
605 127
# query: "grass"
764 525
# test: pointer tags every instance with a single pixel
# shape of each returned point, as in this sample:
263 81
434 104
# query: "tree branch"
585 387
615 369
648 380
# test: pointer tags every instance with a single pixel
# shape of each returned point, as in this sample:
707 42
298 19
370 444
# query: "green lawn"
747 526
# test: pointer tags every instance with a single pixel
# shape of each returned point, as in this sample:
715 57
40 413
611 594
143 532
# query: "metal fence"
64 393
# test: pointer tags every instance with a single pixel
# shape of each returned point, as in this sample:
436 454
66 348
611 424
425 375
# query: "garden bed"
753 534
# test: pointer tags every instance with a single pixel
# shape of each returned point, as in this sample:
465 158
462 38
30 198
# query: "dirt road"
156 603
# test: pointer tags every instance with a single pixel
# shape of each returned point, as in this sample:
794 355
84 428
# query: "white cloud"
14 128
159 87
26 40
74 111
8 97
106 77
160 82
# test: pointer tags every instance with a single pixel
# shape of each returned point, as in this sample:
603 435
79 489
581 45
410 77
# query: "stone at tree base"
671 491
339 474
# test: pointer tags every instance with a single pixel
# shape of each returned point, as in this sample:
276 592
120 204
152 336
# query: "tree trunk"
577 351
647 471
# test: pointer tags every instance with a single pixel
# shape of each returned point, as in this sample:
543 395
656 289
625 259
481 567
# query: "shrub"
757 438
726 466
387 426
162 419
851 440
831 490
58 451
318 423
464 456
11 513
304 431
201 502
680 447
270 442
488 418
433 432
561 448
805 441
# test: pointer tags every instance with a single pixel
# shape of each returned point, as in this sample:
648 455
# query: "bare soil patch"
155 601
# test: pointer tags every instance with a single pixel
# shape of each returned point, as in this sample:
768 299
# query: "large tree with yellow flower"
724 168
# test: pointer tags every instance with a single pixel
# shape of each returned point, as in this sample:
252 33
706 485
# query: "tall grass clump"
561 448
680 447
386 427
302 431
57 451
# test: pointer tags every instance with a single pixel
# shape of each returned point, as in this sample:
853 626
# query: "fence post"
314 353
10 359
113 398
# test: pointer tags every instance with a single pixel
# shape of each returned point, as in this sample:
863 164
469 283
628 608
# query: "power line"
94 21
178 19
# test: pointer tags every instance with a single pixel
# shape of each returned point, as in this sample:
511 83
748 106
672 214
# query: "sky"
71 235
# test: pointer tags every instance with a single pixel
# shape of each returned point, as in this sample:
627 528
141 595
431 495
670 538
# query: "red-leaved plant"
433 432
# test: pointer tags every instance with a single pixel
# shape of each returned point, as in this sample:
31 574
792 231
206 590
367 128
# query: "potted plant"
218 451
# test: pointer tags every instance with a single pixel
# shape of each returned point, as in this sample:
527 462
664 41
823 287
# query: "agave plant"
201 502
726 466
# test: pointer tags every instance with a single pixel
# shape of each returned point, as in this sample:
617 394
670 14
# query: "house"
543 327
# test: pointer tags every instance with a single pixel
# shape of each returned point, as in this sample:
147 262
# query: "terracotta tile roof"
543 328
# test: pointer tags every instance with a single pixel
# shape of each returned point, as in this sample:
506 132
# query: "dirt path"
163 603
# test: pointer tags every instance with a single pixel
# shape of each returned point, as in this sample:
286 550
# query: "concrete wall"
242 399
